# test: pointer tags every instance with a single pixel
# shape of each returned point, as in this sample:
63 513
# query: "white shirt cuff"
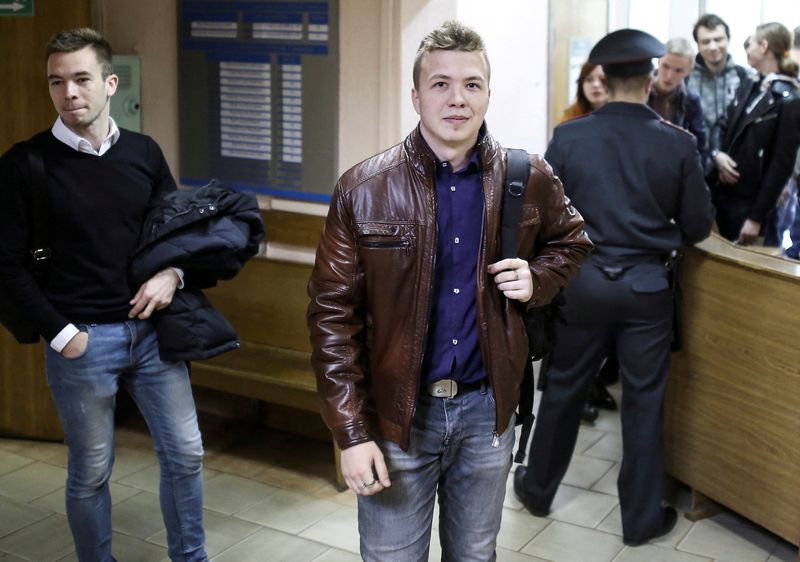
179 271
63 338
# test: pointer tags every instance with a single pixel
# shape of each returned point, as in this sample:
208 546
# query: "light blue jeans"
84 390
452 449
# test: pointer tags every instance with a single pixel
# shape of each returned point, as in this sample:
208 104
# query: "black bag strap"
518 170
39 243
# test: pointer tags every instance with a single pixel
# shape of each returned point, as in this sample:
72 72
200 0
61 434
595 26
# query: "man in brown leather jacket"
417 346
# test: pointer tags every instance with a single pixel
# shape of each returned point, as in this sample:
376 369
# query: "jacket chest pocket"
385 236
384 243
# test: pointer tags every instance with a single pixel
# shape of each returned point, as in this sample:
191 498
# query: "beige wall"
368 115
149 28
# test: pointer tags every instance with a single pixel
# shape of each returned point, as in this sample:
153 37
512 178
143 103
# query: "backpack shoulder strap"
518 170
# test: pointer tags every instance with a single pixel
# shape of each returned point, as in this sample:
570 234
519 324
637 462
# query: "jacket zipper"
495 435
427 320
385 243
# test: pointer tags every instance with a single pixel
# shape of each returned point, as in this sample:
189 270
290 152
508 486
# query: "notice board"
259 95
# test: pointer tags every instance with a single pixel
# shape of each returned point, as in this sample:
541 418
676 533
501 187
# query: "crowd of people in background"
747 126
746 122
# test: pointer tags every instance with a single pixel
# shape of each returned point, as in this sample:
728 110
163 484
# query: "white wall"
742 16
516 33
516 36
664 19
417 18
682 15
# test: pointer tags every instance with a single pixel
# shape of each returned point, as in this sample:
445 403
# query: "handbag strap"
39 247
518 170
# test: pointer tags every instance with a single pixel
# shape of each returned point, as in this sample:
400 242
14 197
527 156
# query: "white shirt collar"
71 139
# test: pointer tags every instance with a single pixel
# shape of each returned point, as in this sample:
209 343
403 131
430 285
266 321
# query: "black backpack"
540 322
14 319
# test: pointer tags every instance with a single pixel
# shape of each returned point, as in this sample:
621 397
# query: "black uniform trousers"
629 307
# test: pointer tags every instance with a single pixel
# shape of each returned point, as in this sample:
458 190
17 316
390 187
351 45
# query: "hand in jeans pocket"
76 346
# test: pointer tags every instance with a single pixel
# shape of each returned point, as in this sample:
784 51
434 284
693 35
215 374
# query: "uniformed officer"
638 182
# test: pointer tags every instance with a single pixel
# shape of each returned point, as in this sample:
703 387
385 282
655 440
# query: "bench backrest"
267 301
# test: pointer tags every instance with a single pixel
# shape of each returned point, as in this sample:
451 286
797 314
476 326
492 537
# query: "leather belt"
448 388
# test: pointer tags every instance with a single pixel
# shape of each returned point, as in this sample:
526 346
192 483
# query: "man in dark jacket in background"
672 99
100 181
639 184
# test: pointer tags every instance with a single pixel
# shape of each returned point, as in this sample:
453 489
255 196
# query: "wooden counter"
732 420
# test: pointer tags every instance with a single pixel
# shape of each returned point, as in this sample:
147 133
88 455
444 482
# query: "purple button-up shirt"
452 350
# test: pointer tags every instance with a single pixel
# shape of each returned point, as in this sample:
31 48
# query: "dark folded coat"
210 233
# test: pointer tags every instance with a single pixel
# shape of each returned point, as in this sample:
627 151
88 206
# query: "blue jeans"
793 251
782 217
84 390
452 448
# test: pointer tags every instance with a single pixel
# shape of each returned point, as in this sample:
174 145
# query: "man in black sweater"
100 182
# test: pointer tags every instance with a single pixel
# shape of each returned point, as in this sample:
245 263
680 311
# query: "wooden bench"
266 303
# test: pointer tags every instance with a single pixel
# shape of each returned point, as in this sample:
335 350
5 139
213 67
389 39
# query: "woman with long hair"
592 92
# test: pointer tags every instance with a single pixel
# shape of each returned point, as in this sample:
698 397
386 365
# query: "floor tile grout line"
769 550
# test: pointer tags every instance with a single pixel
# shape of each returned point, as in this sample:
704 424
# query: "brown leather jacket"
372 281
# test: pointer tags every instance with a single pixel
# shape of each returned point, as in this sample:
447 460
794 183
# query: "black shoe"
589 413
670 518
600 397
519 491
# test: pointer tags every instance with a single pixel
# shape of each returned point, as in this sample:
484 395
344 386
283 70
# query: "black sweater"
96 209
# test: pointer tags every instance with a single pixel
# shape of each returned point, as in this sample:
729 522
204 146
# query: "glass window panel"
785 11
742 16
651 16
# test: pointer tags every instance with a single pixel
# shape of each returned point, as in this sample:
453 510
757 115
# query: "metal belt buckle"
445 388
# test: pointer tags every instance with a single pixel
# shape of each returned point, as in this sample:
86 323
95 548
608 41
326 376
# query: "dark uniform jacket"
638 181
372 283
762 142
210 233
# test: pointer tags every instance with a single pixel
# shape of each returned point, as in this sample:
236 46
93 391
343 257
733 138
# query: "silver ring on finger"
365 485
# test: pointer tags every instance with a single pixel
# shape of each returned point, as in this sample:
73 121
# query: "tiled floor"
270 497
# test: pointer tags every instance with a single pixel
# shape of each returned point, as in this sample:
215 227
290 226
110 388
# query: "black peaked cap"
627 52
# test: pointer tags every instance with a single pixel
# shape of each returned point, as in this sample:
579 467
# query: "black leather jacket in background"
210 233
763 142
